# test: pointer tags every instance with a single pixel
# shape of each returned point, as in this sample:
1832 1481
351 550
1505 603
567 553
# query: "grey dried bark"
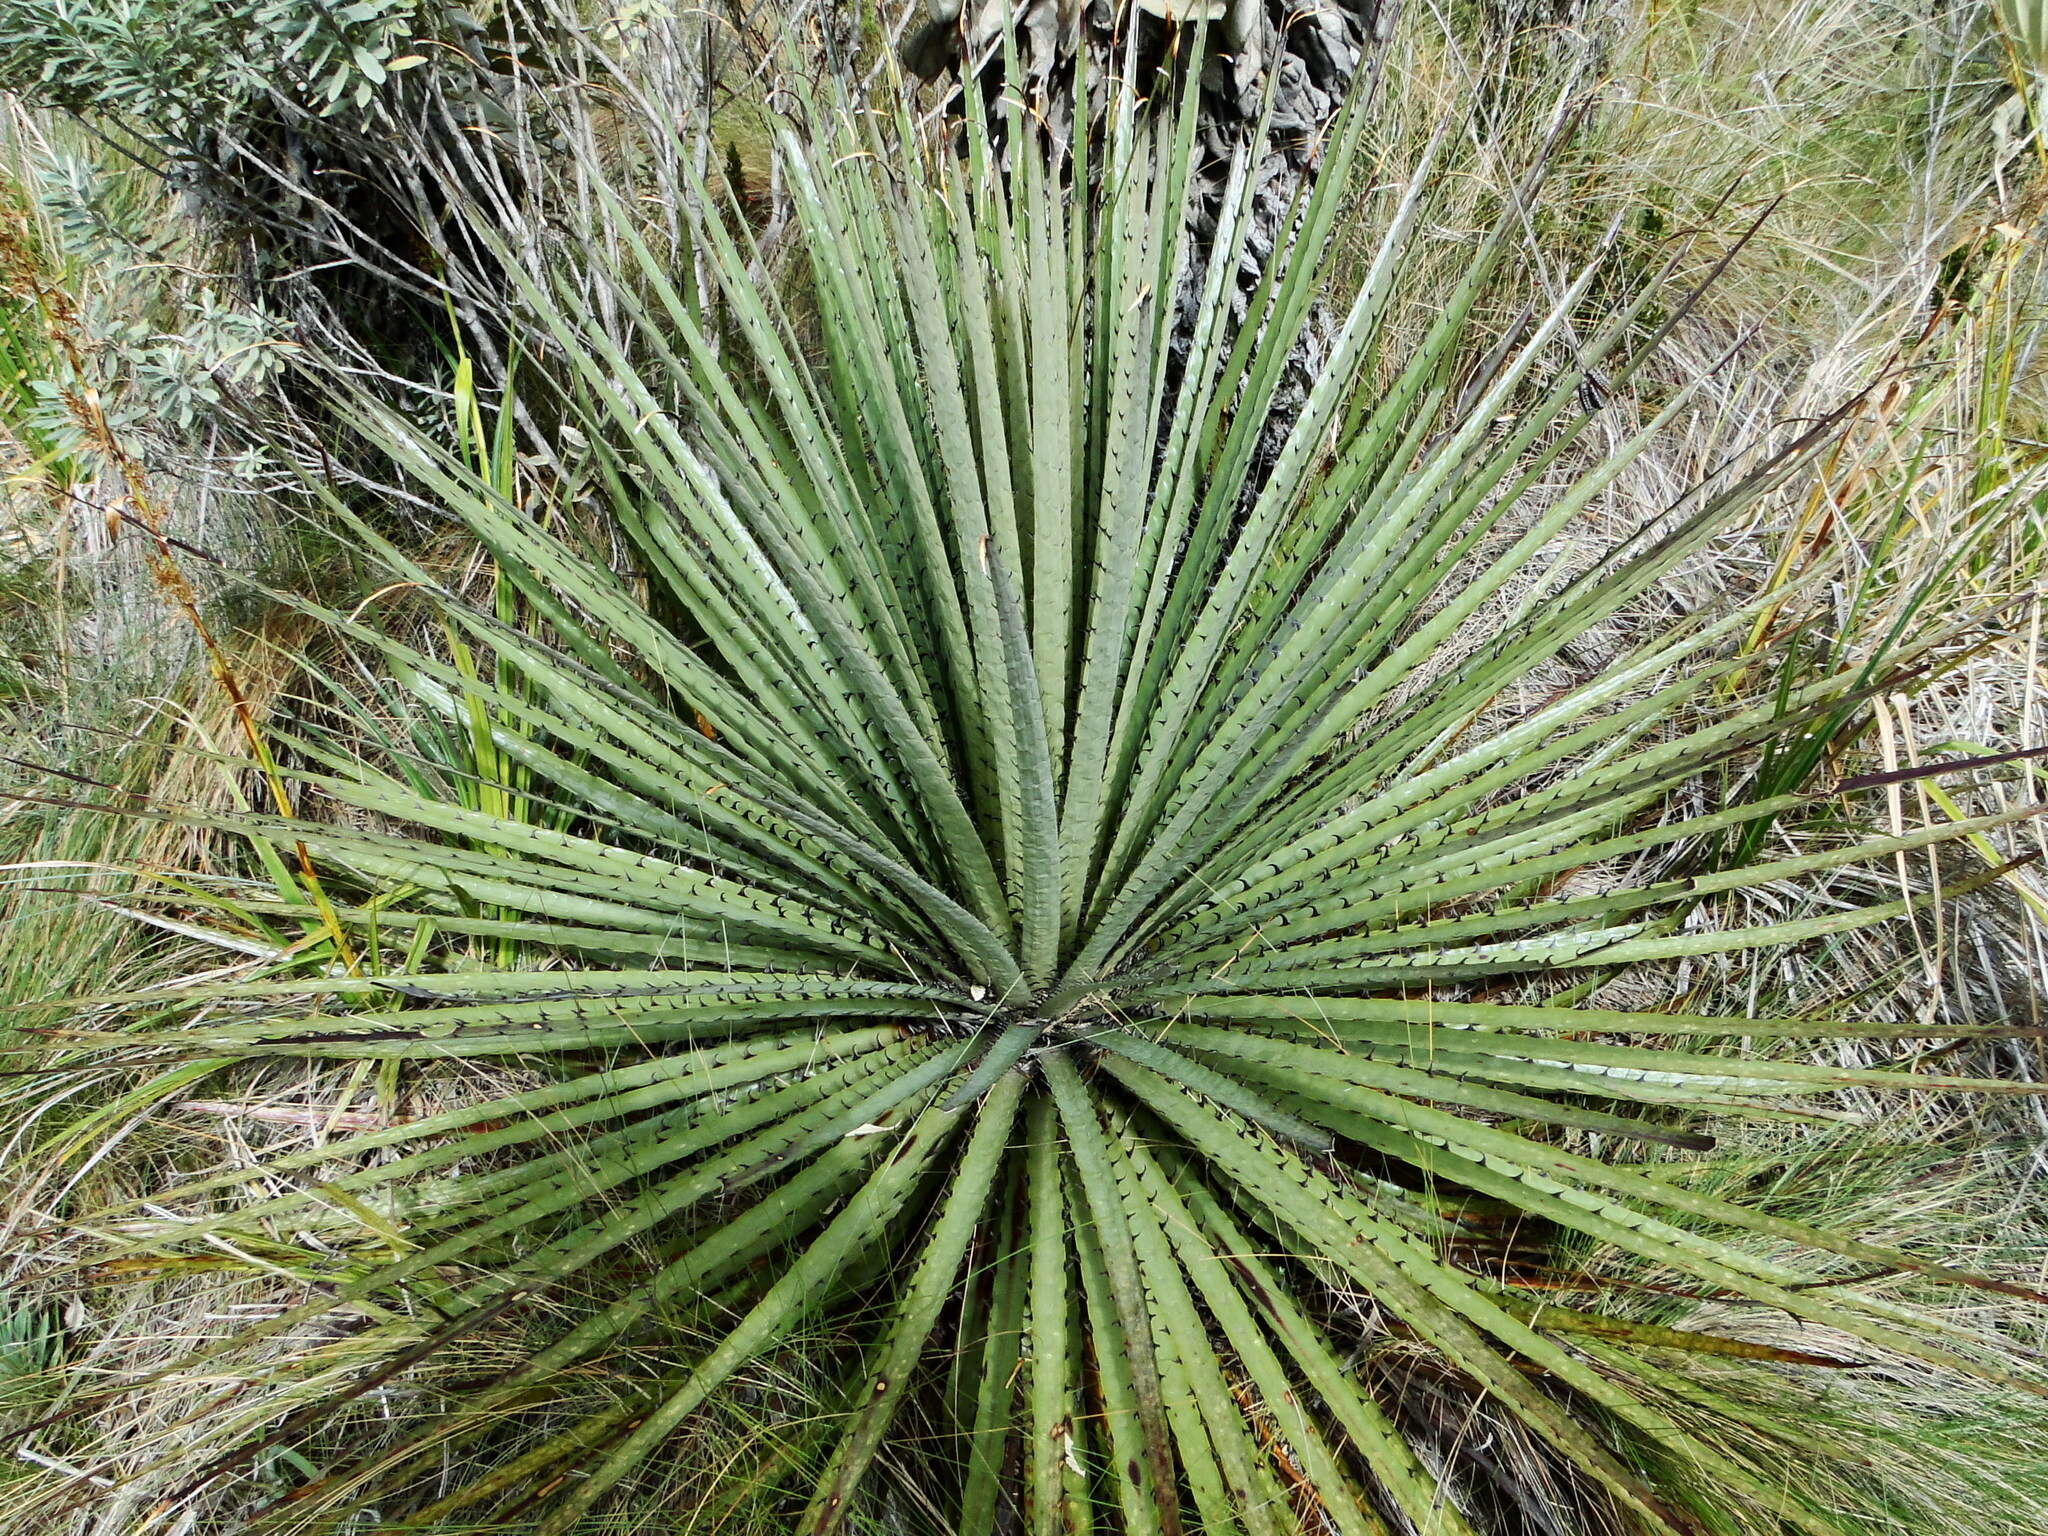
1309 53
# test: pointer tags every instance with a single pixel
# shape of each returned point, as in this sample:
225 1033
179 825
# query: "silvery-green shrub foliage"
175 68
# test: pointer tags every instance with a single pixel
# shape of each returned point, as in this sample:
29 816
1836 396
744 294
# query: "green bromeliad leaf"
1028 868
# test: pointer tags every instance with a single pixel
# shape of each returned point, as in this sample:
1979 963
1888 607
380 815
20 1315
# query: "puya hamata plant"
1008 870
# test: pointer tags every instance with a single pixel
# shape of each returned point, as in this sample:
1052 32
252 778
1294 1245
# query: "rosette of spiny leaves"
1006 875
